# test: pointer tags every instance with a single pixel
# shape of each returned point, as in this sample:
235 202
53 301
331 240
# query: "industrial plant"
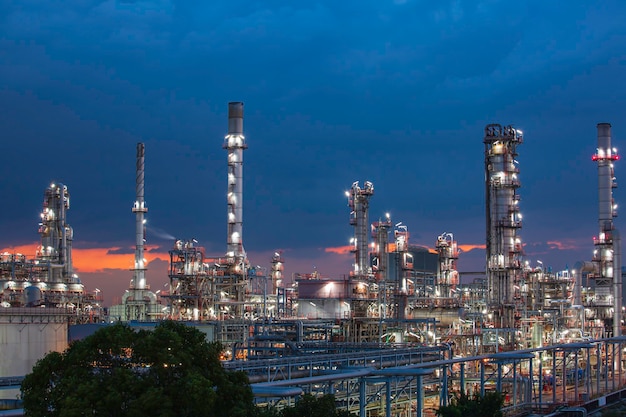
398 298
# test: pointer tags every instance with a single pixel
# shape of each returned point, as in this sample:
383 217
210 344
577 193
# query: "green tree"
170 371
489 405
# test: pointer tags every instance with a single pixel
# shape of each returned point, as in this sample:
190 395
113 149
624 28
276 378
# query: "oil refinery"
398 299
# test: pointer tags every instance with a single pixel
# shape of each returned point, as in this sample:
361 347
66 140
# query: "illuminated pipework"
235 144
56 234
447 274
607 254
358 201
189 282
503 247
139 208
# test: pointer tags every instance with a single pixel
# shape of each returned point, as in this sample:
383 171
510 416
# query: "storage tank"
32 296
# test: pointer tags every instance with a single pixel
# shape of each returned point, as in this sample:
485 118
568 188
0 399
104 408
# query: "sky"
396 92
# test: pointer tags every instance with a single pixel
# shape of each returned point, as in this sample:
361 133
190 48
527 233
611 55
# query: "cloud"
339 250
91 260
120 251
470 247
566 244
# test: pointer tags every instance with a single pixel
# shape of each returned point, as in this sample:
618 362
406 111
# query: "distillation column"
503 247
56 234
278 290
447 274
404 258
277 271
606 255
358 201
361 276
381 262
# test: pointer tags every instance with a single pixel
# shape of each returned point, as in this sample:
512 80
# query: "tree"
170 371
489 405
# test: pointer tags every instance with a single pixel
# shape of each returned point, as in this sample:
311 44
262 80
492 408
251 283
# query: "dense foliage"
170 371
489 405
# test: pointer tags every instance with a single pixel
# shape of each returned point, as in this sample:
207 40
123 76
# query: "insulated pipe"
235 144
139 208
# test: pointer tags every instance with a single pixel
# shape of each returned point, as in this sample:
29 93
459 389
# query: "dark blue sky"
394 92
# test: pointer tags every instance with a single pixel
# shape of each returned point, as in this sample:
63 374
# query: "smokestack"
235 144
606 255
139 208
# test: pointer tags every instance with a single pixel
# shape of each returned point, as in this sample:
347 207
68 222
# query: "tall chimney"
607 253
235 143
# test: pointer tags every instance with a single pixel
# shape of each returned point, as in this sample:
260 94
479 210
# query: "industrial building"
396 294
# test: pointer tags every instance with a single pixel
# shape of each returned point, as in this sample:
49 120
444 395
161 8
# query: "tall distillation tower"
56 234
504 248
447 274
235 144
138 302
358 201
607 255
404 268
380 264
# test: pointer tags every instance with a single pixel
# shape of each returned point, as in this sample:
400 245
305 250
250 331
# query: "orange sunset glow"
95 259
469 247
